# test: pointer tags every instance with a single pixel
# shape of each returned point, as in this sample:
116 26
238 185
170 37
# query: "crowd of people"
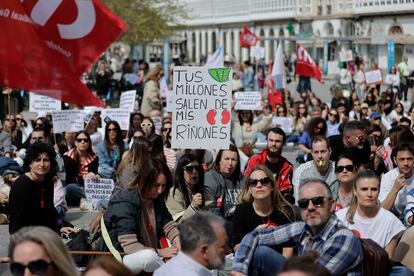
181 212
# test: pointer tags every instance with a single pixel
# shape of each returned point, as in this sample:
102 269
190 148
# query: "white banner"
284 123
373 77
96 190
40 103
248 101
378 33
127 100
201 108
257 52
67 120
116 114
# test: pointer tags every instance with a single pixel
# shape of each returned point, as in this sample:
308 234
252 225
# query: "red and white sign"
248 38
48 44
305 66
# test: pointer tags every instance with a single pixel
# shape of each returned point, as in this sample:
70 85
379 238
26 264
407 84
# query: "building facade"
324 27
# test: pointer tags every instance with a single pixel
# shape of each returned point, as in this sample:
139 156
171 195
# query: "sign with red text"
201 108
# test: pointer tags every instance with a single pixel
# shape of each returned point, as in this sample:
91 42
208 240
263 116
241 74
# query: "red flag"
305 65
248 38
274 97
48 44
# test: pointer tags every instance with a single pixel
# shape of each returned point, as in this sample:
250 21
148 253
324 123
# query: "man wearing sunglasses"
272 158
319 167
352 141
339 249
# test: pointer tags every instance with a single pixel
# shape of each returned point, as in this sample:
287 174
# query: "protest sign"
257 52
284 123
40 103
97 190
201 108
67 120
116 114
346 56
373 77
248 101
127 100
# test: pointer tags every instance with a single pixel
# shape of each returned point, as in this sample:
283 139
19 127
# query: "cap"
375 115
364 105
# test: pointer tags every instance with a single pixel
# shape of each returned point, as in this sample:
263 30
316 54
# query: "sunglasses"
334 115
316 201
111 129
38 267
13 120
146 125
86 140
191 168
265 181
349 168
19 119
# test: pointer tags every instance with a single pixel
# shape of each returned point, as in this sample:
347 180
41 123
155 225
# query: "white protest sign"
127 100
169 106
373 77
284 123
248 101
40 103
201 108
67 120
116 114
378 33
257 52
96 190
346 56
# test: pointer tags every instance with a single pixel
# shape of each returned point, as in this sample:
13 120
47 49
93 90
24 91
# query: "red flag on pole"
274 97
248 38
305 65
48 44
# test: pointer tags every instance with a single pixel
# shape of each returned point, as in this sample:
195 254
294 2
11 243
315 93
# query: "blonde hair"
152 75
51 243
278 201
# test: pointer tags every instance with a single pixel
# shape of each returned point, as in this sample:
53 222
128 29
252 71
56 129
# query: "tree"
148 20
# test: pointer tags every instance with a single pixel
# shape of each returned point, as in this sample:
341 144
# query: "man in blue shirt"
339 249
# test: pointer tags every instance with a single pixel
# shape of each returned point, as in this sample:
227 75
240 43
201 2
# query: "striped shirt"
340 250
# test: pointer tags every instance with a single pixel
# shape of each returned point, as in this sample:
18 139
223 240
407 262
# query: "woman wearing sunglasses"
187 196
110 150
80 163
11 128
148 126
261 205
39 251
346 168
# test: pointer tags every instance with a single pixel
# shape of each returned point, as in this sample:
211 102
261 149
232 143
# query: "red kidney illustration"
211 116
225 116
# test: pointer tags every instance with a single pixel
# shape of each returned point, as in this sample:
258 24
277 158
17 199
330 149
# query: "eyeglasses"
349 168
111 129
146 125
19 119
191 168
316 201
13 120
38 267
265 181
86 140
332 114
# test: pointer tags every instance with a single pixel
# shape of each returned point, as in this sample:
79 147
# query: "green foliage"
147 20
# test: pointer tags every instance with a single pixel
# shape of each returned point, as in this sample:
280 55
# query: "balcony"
383 6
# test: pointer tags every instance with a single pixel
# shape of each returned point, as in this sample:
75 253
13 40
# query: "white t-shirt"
387 181
381 229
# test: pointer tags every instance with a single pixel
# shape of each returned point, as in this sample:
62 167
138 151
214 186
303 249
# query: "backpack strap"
108 242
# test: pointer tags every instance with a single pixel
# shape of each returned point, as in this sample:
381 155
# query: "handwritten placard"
97 190
127 100
201 108
373 77
40 103
116 114
257 52
248 101
284 123
67 120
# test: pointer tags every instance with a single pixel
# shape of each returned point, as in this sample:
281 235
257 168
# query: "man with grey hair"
203 247
339 249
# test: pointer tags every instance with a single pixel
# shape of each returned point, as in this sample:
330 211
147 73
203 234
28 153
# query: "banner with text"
373 77
41 104
284 123
127 100
67 120
248 101
116 114
201 108
97 190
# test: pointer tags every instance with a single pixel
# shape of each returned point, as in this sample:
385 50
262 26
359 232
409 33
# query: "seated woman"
315 127
187 196
137 218
80 163
31 195
368 219
110 150
262 205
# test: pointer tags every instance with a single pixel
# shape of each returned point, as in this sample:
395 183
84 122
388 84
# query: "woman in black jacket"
137 220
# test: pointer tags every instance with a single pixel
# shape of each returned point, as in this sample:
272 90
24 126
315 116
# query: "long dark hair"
119 140
137 154
179 182
237 172
89 151
157 147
